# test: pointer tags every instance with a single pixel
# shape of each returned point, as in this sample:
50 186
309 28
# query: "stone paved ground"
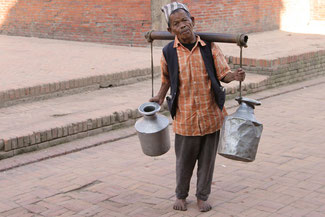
32 61
116 179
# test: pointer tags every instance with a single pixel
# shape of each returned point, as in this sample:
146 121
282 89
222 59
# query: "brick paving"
117 179
40 61
276 44
107 175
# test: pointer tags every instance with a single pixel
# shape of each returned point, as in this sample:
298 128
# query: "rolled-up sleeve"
220 62
164 70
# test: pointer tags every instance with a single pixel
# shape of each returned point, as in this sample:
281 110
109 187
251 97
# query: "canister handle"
251 102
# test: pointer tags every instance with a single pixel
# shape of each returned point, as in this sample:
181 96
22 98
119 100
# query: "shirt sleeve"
220 62
164 70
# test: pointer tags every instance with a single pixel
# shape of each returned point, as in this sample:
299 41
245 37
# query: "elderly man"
192 68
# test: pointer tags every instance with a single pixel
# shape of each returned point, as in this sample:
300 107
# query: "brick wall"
125 22
235 16
110 21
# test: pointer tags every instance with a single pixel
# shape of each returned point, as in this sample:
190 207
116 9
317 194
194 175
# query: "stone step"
74 86
35 125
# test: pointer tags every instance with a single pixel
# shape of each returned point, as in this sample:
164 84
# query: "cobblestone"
117 179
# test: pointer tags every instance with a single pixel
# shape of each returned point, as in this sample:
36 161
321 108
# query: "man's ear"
170 30
193 21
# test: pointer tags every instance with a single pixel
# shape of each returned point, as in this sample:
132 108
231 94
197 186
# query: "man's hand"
157 99
239 74
160 97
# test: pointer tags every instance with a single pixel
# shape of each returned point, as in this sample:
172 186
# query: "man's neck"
191 40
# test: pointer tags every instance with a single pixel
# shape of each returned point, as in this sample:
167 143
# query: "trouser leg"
206 161
187 149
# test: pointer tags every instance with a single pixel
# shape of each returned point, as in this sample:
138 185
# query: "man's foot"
204 206
180 204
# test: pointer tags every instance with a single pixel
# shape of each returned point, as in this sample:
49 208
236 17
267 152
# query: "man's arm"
223 70
165 83
160 97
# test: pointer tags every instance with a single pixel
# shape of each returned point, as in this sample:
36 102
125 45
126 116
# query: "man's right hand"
157 99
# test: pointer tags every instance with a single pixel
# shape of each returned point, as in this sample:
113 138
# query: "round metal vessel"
152 130
241 133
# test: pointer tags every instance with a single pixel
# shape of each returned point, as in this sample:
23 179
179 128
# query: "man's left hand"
239 74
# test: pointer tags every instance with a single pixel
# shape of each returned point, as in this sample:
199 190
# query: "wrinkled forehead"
178 15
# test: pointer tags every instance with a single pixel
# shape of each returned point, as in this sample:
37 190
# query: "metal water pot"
241 132
152 130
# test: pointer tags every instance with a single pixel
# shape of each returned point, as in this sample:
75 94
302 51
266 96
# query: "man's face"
182 26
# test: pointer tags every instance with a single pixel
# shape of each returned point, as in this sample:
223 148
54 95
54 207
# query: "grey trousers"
190 149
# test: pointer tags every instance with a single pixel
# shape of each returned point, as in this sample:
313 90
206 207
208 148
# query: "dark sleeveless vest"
170 54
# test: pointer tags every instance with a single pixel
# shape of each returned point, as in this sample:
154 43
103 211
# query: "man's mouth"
185 31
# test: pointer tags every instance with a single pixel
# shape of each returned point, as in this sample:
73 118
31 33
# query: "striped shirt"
197 113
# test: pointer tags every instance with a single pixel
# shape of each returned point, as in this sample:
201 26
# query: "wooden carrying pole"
239 39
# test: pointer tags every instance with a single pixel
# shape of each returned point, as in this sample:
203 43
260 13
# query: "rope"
152 92
240 65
